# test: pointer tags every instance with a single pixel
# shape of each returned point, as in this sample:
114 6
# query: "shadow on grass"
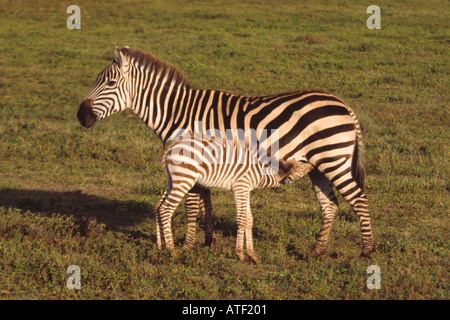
115 214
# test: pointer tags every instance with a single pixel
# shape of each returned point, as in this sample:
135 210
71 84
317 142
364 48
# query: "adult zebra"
313 126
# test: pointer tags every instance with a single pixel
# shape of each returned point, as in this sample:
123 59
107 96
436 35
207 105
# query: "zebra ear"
116 53
120 59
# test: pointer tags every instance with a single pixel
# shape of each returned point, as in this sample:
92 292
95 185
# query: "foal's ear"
121 60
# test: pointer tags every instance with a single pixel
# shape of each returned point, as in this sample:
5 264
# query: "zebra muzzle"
85 114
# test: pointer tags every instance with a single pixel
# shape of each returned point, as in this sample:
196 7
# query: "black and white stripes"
310 126
219 163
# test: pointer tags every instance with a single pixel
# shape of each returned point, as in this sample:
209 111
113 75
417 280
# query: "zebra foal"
217 163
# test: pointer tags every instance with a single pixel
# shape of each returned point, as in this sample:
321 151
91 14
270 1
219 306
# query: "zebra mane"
149 61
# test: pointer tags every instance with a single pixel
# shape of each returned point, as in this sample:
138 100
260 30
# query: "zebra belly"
207 182
221 176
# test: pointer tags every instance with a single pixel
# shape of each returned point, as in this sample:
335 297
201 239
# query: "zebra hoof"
317 253
366 253
367 250
254 258
210 242
188 246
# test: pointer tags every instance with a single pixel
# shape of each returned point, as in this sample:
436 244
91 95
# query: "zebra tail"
358 163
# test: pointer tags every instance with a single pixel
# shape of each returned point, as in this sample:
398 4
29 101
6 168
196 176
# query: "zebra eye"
111 83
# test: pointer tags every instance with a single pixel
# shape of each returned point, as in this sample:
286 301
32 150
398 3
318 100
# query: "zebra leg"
360 205
348 187
249 234
241 197
192 202
356 197
159 229
166 209
206 209
198 199
328 205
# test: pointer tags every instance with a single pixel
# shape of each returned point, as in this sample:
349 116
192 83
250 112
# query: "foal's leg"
169 203
198 199
249 233
242 200
192 203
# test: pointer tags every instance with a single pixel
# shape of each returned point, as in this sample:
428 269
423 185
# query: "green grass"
71 196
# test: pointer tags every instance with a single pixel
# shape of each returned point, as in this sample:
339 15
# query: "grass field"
73 196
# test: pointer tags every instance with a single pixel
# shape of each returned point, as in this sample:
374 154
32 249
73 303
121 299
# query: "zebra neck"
170 108
159 101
